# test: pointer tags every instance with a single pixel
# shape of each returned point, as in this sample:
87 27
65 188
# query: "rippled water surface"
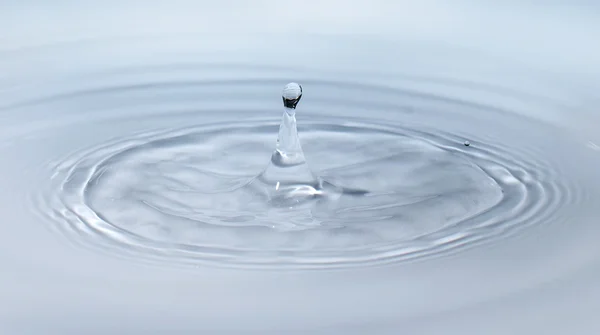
447 183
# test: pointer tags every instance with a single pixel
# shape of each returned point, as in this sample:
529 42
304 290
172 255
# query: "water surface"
122 151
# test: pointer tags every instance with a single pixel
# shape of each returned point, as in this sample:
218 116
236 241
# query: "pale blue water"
137 195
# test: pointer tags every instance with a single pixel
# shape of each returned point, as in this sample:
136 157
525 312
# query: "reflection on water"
133 135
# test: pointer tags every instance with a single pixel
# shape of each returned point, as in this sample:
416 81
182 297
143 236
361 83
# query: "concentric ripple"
181 194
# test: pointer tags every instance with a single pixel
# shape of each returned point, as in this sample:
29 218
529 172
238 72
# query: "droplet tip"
292 93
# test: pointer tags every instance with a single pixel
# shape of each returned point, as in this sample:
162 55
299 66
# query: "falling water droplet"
289 152
288 175
292 93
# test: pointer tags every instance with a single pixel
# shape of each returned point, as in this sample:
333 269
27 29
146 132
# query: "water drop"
292 93
467 143
288 176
